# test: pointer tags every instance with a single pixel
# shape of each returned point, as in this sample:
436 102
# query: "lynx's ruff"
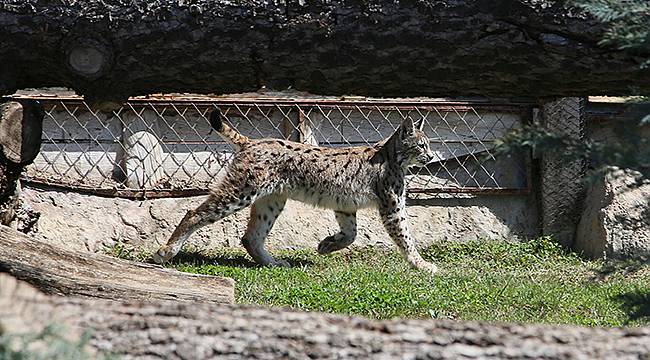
265 173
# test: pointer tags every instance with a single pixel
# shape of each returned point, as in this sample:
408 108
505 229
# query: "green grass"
534 281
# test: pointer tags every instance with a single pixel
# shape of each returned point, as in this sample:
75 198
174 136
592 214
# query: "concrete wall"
98 223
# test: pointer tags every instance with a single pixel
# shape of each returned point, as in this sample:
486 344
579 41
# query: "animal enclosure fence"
156 147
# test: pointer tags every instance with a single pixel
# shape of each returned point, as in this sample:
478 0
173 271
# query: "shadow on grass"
623 267
198 259
230 260
636 304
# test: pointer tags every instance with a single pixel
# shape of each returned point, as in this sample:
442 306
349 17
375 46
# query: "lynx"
266 172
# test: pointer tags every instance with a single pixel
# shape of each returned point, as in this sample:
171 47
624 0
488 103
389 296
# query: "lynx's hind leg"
264 212
348 224
218 205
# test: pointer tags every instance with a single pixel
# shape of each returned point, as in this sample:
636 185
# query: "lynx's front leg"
393 216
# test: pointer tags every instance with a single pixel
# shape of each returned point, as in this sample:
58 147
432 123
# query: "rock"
615 222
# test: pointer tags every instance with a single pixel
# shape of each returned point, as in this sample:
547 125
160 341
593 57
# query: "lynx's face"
415 145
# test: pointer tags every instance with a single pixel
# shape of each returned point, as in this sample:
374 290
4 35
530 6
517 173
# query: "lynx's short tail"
227 133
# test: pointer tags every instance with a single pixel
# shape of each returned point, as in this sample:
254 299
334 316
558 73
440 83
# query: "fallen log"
173 330
59 271
20 141
115 49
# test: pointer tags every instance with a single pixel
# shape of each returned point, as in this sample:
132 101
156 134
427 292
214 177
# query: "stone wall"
98 223
614 222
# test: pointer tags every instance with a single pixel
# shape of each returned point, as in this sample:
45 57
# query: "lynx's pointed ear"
407 127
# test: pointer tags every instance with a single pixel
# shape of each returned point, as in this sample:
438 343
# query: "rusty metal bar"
78 141
471 190
161 193
392 103
120 193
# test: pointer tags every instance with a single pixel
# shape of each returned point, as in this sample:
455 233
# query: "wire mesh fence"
165 147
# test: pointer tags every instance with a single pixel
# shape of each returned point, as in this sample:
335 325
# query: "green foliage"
500 254
628 150
628 23
533 281
46 344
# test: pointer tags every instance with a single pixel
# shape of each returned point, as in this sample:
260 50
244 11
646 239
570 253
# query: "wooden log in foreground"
174 330
20 141
59 271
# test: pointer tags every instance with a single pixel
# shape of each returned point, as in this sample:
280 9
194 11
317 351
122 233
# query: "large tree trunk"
59 271
205 331
20 141
112 49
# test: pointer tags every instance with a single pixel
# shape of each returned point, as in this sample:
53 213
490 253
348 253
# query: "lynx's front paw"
427 267
334 243
162 255
328 245
279 263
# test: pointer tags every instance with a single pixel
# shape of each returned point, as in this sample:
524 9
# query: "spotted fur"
265 173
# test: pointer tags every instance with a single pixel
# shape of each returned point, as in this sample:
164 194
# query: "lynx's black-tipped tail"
215 119
236 139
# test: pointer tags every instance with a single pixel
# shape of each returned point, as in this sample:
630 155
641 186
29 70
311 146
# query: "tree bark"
59 271
20 141
110 49
9 190
172 330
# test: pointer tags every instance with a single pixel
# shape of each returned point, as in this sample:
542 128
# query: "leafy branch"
630 149
628 23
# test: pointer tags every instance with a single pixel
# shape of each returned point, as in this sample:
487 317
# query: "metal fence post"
562 183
